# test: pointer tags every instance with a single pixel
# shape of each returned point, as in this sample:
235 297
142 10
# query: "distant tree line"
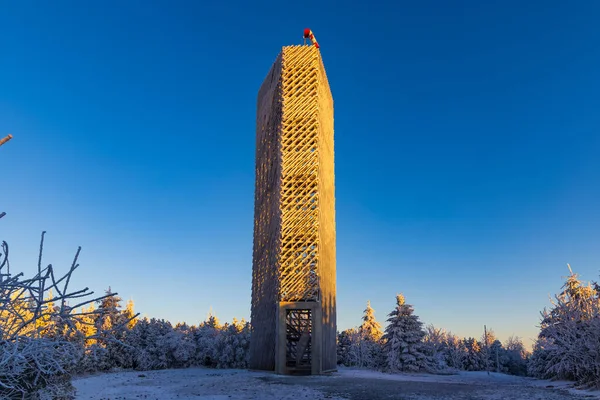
407 346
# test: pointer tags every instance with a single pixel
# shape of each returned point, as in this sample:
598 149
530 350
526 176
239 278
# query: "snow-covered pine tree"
498 358
233 344
111 325
474 359
129 314
456 352
368 343
490 345
153 343
370 329
516 356
569 340
206 338
180 347
403 339
344 345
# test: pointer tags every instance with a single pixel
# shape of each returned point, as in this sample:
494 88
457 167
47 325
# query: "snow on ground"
462 377
184 384
347 383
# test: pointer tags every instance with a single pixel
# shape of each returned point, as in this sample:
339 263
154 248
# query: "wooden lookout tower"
293 271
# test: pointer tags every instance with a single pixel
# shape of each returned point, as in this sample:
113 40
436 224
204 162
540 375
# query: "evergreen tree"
233 344
111 325
436 348
474 359
128 314
403 348
456 352
516 356
370 329
206 338
569 339
344 346
368 341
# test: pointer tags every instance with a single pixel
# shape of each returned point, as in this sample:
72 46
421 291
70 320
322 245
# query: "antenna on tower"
5 139
309 35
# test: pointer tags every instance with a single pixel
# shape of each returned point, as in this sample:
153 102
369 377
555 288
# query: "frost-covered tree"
436 347
39 318
474 359
349 353
370 329
206 338
344 342
403 346
129 314
456 352
516 356
233 344
152 341
569 340
367 344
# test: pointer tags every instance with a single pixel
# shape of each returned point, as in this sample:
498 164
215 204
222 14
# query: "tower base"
299 338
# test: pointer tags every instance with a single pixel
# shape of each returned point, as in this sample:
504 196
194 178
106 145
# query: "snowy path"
210 384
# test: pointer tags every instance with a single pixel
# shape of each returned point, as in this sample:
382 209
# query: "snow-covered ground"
184 384
354 384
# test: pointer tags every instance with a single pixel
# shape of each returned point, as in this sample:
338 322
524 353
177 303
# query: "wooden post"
487 351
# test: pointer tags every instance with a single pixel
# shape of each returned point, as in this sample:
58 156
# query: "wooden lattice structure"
293 278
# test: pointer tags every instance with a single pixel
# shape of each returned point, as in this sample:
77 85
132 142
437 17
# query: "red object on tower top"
309 35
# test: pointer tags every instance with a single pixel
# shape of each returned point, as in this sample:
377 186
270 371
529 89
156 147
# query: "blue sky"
467 143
